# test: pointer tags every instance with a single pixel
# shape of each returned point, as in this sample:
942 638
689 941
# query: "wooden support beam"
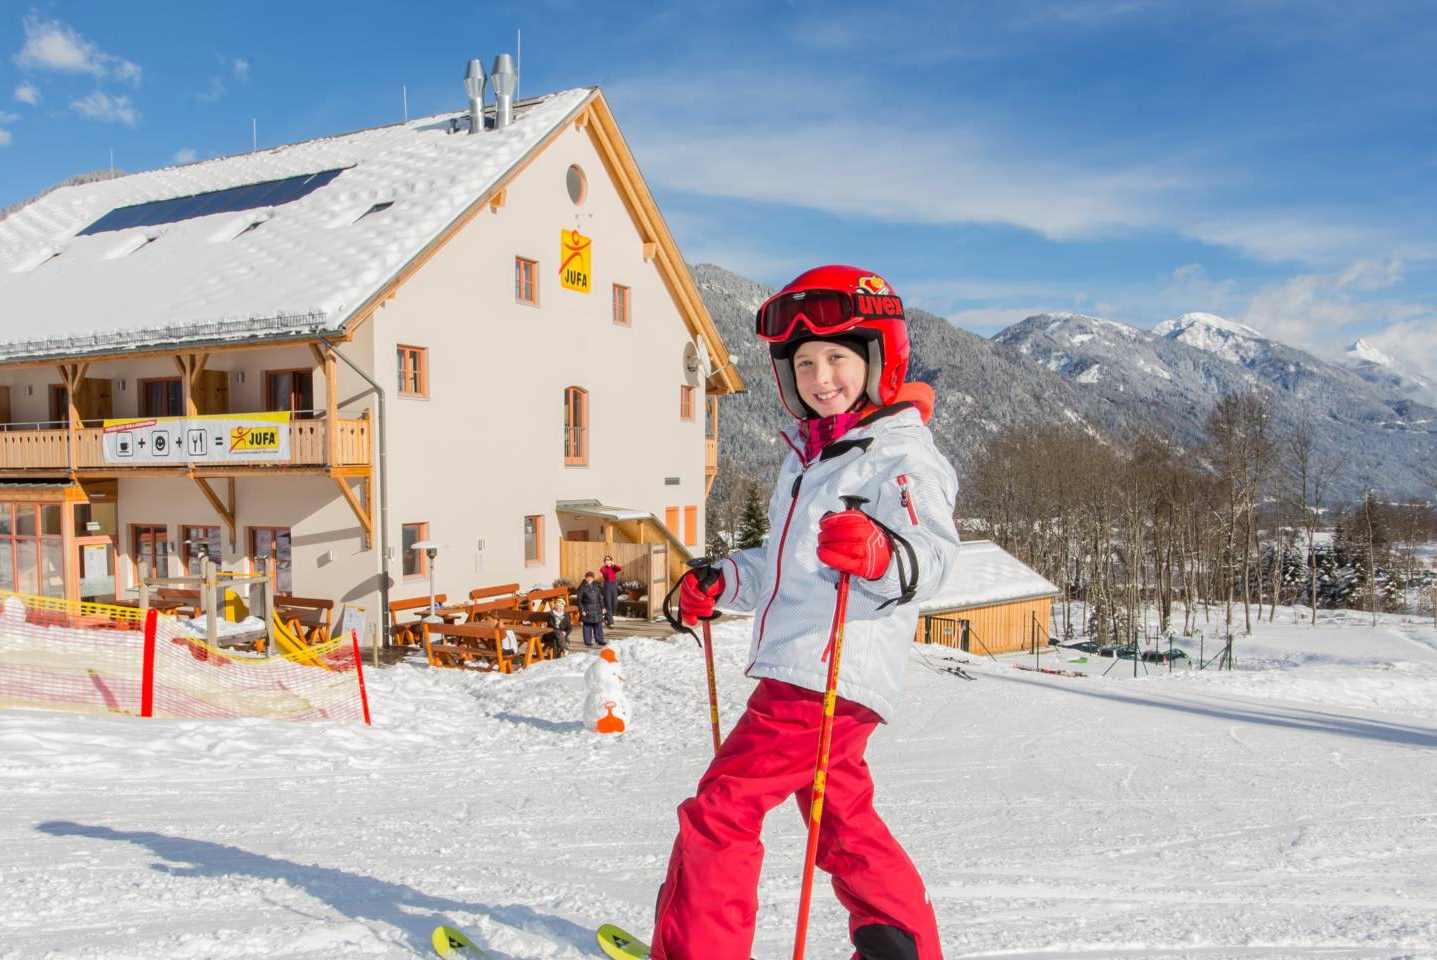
191 366
651 250
326 359
358 509
72 374
227 514
234 539
497 200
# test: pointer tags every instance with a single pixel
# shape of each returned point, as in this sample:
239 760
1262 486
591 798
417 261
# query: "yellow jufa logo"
575 260
254 439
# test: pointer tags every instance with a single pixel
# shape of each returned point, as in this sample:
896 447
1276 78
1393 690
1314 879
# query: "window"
526 281
671 519
31 551
533 541
621 305
576 425
197 542
150 551
161 397
272 544
686 403
691 526
416 564
576 183
413 371
291 390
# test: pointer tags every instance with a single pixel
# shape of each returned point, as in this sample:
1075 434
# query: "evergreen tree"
718 543
753 522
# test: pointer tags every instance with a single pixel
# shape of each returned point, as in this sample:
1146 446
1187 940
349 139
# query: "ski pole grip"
852 502
704 570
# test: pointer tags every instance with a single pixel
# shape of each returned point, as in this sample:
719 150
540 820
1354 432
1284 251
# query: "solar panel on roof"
251 196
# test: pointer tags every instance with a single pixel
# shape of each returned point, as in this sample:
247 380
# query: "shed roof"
987 574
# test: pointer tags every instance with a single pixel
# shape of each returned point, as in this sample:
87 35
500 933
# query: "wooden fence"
646 562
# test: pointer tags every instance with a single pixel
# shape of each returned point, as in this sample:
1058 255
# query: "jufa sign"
575 260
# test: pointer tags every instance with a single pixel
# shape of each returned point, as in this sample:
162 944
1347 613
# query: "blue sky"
1274 162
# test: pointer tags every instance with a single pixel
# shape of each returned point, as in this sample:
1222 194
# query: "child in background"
839 344
559 621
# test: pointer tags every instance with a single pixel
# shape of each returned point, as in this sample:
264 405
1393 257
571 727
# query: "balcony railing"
40 446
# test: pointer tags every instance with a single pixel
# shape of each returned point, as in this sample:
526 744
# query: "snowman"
606 710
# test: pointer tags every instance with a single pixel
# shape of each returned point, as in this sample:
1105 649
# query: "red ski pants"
709 901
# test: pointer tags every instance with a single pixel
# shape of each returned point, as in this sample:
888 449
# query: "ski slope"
1286 811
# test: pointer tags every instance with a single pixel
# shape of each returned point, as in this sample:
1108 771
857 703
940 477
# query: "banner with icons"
216 438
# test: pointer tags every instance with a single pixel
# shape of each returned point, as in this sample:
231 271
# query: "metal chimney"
505 80
474 87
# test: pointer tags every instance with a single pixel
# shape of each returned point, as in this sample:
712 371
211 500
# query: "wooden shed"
993 602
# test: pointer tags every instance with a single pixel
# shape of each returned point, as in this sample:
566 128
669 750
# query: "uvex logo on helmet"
878 307
874 285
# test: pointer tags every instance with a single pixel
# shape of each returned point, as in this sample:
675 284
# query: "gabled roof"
307 247
986 574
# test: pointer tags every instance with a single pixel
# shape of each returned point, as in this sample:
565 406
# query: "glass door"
95 558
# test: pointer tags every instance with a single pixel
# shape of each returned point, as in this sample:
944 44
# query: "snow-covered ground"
1284 809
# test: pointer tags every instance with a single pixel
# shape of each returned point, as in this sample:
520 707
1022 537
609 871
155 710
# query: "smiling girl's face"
830 376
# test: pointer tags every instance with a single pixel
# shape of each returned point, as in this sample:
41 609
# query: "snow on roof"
985 573
295 268
593 508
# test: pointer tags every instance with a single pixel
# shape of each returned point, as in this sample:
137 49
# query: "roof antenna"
112 161
518 60
404 92
254 134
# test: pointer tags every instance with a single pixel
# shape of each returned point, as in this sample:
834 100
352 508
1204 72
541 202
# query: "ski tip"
451 943
618 943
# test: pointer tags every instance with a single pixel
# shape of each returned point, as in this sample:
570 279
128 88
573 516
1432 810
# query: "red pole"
820 773
713 686
359 669
147 676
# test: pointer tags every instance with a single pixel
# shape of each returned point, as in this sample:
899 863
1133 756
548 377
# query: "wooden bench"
407 634
175 600
476 646
542 600
310 617
503 591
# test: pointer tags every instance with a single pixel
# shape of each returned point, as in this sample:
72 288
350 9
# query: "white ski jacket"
889 458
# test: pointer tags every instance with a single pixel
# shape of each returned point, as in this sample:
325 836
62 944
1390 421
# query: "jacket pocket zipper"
905 498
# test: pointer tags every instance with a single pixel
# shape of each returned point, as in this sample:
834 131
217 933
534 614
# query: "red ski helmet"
836 302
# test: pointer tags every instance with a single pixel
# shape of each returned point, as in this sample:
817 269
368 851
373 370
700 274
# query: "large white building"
548 370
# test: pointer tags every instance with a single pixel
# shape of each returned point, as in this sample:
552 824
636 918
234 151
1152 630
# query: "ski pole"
704 570
825 740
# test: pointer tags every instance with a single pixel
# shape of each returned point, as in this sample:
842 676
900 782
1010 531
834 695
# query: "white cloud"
5 137
53 45
1322 311
1414 341
215 91
184 155
6 117
239 66
236 67
27 93
107 109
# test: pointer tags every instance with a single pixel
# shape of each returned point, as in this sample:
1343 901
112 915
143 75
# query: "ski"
451 943
618 943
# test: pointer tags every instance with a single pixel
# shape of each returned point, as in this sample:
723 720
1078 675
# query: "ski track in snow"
1287 811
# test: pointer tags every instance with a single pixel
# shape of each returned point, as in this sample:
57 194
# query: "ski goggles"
823 311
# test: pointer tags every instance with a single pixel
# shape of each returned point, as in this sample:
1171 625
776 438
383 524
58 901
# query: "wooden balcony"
24 449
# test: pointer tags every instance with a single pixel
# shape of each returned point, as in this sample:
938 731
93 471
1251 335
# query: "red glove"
851 542
696 602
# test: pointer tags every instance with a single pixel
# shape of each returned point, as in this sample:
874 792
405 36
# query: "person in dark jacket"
610 572
559 624
591 610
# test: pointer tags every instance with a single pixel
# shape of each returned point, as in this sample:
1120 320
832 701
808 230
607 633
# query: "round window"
577 183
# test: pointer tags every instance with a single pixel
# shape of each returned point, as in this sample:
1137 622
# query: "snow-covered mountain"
1386 373
1169 378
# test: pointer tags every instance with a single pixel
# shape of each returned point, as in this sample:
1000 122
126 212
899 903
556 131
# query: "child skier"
839 344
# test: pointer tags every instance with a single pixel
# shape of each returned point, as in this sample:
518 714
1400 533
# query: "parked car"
1176 654
1087 646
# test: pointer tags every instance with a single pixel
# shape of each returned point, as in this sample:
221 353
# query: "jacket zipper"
906 499
778 570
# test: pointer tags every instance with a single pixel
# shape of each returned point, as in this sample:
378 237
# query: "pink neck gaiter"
819 432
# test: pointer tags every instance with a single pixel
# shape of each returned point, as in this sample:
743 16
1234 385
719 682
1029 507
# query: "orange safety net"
65 655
